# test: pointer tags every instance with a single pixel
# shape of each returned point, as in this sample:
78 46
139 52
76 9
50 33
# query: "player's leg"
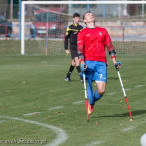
90 96
89 76
72 66
90 91
75 57
77 62
101 79
101 85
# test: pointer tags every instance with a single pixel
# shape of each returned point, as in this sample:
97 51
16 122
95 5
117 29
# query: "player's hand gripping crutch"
83 68
117 64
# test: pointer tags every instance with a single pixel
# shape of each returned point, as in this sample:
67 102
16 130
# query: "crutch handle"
118 65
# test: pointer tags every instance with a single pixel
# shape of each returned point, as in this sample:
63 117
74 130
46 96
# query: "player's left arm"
112 51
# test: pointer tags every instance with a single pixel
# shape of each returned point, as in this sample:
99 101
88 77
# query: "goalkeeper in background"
92 41
71 35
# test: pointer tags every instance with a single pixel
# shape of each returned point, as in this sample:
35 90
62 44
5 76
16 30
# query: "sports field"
37 107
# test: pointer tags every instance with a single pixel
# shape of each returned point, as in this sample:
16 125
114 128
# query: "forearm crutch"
85 96
131 119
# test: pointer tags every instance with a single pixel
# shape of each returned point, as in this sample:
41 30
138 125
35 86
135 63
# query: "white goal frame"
63 2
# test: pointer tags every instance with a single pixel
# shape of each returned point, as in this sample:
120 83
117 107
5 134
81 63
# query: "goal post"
118 33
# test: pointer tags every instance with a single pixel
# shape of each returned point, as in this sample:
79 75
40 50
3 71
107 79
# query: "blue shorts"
96 71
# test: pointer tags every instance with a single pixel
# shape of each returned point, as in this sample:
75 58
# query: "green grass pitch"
35 84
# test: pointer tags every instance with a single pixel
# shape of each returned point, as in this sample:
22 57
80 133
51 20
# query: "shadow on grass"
113 78
134 113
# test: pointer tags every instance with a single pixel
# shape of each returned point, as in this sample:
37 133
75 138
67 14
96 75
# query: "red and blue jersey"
94 41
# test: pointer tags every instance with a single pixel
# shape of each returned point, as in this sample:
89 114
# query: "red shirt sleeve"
109 44
107 38
80 42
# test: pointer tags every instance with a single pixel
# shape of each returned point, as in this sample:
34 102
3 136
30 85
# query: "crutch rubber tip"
131 119
87 120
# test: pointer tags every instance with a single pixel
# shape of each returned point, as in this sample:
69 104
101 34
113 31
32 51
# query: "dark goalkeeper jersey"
71 34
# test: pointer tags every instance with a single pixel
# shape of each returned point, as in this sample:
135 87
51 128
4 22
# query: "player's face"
76 20
89 18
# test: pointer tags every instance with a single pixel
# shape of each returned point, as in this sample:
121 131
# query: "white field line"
112 93
139 86
143 122
128 129
95 143
29 114
128 89
35 113
44 61
53 108
133 127
61 135
2 121
79 102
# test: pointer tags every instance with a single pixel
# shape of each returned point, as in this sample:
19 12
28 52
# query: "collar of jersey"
91 28
75 24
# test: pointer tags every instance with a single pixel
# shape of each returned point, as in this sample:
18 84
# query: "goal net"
44 24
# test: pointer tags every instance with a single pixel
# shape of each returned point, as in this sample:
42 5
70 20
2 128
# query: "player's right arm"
80 49
67 36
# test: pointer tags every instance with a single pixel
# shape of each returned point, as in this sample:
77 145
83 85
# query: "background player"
71 34
91 48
